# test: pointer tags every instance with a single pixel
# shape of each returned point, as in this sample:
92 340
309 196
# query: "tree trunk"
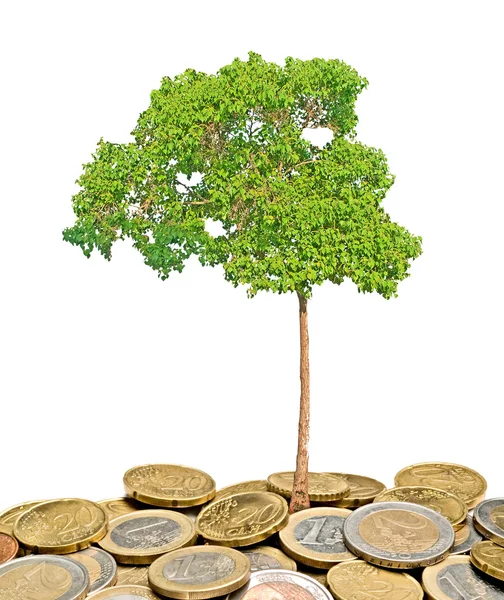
300 498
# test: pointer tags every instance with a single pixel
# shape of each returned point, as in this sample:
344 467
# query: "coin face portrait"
277 590
205 567
399 531
145 532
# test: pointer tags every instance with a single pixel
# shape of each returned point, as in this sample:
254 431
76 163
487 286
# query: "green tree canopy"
293 214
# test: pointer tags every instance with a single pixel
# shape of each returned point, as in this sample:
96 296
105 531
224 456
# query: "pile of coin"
174 536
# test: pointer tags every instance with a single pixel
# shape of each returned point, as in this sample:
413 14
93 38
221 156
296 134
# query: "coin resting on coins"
174 536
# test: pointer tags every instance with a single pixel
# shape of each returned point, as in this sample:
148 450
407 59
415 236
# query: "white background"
104 366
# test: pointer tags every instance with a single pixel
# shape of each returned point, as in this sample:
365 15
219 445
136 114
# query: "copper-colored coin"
9 515
314 537
445 503
242 519
322 487
363 490
489 558
169 485
358 580
8 547
257 485
140 537
116 507
465 483
61 526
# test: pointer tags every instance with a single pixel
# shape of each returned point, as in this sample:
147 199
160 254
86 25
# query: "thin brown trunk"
300 498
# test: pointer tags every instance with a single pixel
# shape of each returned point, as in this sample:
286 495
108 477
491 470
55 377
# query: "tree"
293 215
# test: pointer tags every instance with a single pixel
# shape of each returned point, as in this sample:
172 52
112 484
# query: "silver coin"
206 567
489 519
263 558
125 592
100 565
280 583
456 578
43 576
469 541
142 533
387 534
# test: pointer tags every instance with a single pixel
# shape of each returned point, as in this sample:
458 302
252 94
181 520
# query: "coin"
132 575
489 519
358 580
465 483
362 490
9 515
101 567
141 537
321 486
125 592
43 577
266 557
8 547
116 507
318 575
456 579
398 535
281 584
466 537
314 537
242 519
61 526
489 558
257 485
445 503
199 572
169 485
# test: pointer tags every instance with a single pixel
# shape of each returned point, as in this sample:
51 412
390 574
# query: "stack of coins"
175 536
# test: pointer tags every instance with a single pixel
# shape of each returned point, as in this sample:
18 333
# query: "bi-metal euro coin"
125 592
445 503
139 538
455 579
465 483
242 519
489 519
263 558
322 487
43 577
169 485
314 537
61 526
279 583
466 537
101 567
358 579
398 535
489 558
199 572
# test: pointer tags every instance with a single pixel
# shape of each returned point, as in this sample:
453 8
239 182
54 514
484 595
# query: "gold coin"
363 490
314 537
61 526
199 572
257 485
456 579
321 486
489 558
116 507
445 503
9 515
125 592
132 575
263 558
139 538
465 537
358 580
465 483
242 519
319 576
169 485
